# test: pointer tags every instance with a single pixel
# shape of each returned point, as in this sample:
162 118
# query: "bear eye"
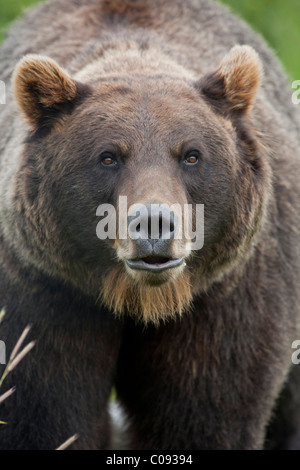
192 158
108 159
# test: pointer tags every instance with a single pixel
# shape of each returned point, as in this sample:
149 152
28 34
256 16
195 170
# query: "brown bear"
162 103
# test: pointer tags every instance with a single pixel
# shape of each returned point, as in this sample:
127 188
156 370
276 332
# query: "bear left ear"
42 88
234 85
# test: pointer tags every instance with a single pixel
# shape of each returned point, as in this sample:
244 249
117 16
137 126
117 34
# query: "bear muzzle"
154 264
153 228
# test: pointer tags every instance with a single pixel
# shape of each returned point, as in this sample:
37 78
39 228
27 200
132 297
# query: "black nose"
153 227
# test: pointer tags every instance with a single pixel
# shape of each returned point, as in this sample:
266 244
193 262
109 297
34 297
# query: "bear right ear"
234 85
42 88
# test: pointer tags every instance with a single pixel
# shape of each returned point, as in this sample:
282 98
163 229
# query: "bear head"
113 153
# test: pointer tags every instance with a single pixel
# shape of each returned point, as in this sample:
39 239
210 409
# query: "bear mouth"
156 264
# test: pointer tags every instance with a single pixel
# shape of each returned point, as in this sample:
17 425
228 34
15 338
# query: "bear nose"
153 228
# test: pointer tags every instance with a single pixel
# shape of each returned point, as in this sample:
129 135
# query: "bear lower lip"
154 264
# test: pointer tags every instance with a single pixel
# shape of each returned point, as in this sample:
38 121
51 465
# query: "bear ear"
234 85
42 88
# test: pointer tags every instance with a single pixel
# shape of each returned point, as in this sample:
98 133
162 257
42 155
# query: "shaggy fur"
200 354
39 83
153 304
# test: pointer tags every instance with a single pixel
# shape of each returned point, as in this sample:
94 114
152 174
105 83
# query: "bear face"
154 137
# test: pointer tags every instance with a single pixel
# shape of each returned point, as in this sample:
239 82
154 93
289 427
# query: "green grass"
277 20
11 9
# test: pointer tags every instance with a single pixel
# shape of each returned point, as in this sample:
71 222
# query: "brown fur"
200 353
146 304
241 71
125 8
40 83
234 85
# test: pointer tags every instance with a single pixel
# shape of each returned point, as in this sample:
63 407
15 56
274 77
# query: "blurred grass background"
277 20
